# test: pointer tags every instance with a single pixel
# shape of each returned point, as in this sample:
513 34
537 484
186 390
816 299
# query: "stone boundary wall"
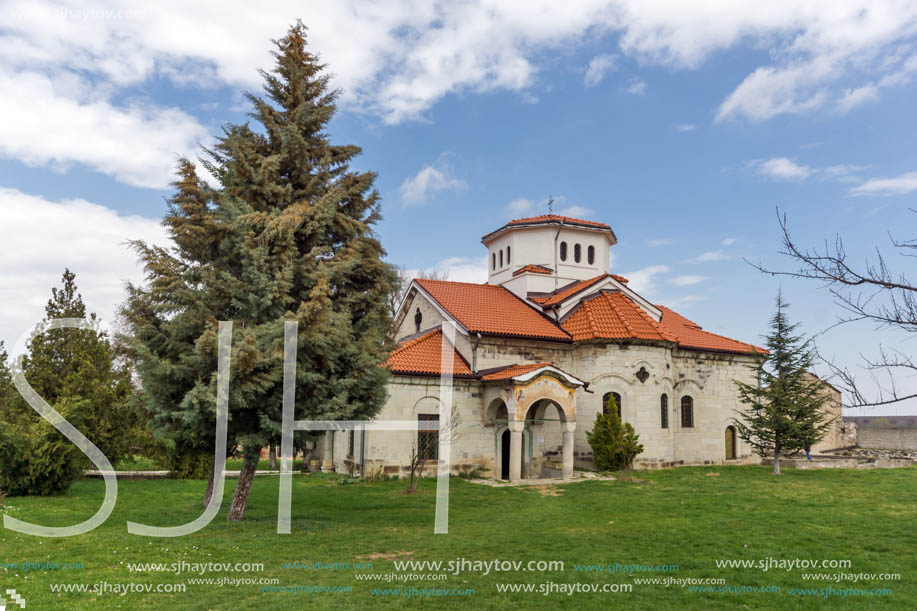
887 438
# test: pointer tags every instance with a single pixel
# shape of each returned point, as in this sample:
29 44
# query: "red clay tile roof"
535 269
620 279
568 291
491 309
494 310
691 336
614 316
550 219
423 355
556 218
512 371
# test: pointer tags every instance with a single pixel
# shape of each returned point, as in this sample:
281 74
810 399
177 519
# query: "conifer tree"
614 443
74 371
287 233
785 409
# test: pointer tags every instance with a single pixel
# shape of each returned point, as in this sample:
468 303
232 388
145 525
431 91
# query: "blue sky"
683 128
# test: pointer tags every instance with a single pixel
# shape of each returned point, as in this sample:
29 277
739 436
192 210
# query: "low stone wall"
840 463
887 438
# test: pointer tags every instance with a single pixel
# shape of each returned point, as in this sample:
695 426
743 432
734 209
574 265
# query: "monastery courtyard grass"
689 517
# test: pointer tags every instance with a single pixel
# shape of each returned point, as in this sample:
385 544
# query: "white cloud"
48 122
520 207
687 280
728 242
598 68
636 87
685 301
898 185
770 91
857 96
643 280
42 237
575 211
843 172
782 168
685 127
417 190
460 269
710 257
399 59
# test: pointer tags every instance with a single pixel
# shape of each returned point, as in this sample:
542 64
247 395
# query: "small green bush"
614 444
36 459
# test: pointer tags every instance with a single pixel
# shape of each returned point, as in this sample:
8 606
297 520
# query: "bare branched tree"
868 293
404 282
448 434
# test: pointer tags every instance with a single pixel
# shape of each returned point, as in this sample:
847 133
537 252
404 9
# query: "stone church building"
538 349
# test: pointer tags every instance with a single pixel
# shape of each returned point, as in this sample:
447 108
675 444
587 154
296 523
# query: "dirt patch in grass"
385 556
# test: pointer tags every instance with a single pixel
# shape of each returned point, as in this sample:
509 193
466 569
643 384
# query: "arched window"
428 440
493 257
687 412
418 320
563 251
507 255
577 253
501 258
664 411
590 255
617 399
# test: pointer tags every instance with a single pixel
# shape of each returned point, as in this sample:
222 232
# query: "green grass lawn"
686 517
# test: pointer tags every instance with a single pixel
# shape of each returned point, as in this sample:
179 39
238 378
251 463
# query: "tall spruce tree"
287 234
785 409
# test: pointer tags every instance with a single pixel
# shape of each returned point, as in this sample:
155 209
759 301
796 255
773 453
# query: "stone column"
568 428
328 452
515 449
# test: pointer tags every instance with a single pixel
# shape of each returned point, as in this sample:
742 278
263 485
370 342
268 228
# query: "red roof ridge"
492 309
533 268
428 360
572 289
547 218
423 280
511 371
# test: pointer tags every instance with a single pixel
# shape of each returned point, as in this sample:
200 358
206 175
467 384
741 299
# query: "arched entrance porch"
533 408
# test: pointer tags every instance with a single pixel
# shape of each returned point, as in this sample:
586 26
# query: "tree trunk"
776 460
272 463
243 487
209 493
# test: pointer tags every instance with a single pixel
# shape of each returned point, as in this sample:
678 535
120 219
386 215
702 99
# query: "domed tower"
543 253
